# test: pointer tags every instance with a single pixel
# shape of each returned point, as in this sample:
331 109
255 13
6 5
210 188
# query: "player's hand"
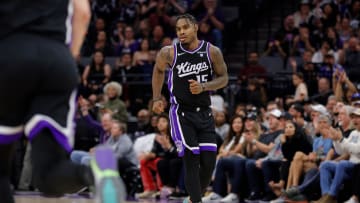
195 87
258 163
158 106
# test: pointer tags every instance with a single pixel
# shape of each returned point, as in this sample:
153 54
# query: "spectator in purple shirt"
103 128
213 16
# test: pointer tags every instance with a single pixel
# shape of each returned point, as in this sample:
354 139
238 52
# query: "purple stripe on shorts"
7 139
208 148
176 127
59 136
195 151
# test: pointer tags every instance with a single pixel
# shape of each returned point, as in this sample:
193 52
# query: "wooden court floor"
36 197
39 199
67 200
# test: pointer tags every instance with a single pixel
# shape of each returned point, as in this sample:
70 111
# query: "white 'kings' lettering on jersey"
185 69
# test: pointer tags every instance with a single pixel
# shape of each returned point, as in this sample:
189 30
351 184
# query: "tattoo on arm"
220 70
164 58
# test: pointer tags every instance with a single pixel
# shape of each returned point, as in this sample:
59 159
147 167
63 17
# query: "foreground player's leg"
6 152
53 172
109 186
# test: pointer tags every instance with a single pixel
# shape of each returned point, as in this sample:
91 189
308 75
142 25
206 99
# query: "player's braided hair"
187 16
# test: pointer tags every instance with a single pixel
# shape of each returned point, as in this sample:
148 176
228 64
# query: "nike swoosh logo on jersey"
179 54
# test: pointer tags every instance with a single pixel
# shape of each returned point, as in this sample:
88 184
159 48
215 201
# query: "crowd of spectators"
299 146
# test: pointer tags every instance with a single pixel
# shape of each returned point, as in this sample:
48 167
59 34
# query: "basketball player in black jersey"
38 97
196 67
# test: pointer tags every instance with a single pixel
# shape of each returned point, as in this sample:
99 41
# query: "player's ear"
196 26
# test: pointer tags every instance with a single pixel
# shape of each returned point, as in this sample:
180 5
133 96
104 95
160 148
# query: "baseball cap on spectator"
276 113
329 54
355 99
356 112
286 115
298 107
251 116
319 108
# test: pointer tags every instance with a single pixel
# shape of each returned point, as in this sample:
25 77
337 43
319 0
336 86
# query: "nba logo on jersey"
179 145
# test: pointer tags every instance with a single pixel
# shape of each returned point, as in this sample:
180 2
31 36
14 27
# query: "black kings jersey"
195 65
50 18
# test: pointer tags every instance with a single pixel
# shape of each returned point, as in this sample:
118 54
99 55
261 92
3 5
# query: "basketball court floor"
34 197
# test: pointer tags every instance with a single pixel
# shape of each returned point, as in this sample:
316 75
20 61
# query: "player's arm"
80 23
163 59
220 69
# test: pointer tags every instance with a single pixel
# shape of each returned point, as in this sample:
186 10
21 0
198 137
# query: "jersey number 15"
201 78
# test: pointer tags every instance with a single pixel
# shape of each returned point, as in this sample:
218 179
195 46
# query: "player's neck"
191 46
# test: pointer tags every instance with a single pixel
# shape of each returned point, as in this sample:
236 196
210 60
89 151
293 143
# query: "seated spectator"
350 58
123 69
301 92
333 174
159 16
113 103
329 67
129 11
302 42
334 41
355 185
324 91
217 102
143 60
104 129
275 49
103 44
297 112
330 107
119 142
143 123
163 147
158 35
308 69
292 141
96 74
286 34
252 69
214 17
170 166
97 25
233 154
205 33
177 7
344 30
127 42
343 87
319 55
221 125
303 15
259 170
302 162
329 15
256 94
311 181
228 153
